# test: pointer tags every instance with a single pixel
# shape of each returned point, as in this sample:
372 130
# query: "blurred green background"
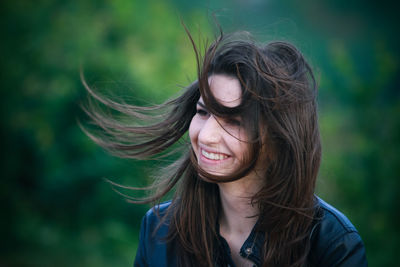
56 208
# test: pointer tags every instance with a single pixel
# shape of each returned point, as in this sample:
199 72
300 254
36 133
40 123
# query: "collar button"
248 251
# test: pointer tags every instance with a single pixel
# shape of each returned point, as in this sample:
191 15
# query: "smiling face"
219 143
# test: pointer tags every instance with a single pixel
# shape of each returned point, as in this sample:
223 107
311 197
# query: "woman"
245 182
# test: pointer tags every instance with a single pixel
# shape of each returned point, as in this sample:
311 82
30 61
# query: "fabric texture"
334 242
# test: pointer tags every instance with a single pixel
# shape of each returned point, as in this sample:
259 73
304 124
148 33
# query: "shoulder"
153 244
333 220
154 223
334 239
158 211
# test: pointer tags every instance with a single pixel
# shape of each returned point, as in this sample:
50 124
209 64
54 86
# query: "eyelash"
231 121
201 112
234 122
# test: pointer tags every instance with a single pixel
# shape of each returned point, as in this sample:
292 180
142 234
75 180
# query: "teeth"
213 156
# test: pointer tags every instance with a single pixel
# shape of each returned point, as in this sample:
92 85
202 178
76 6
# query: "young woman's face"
219 143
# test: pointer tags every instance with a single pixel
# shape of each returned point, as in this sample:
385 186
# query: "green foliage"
57 209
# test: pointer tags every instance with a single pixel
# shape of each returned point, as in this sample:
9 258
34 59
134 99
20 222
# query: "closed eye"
202 112
234 122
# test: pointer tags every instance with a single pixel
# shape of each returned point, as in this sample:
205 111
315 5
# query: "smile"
213 156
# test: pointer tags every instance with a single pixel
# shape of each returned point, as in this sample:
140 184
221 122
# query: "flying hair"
279 114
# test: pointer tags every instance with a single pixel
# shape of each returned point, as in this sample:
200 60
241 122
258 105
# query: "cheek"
241 150
239 146
193 133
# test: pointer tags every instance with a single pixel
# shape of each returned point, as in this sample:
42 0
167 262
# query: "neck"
238 215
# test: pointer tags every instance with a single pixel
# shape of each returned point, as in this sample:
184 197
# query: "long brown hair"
279 95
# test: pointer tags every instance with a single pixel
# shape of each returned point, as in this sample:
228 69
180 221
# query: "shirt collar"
251 248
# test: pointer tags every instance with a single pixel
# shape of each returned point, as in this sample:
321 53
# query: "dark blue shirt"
334 242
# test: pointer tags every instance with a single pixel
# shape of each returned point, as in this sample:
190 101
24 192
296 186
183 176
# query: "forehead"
226 89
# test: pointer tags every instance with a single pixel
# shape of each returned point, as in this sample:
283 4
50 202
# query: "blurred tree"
57 208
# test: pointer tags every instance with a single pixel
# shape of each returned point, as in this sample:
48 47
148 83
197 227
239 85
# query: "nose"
210 132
